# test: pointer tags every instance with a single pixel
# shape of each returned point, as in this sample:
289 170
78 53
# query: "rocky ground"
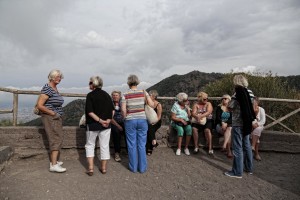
199 176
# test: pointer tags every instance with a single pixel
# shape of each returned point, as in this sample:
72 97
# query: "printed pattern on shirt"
55 100
135 104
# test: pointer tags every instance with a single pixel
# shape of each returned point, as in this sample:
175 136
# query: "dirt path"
168 177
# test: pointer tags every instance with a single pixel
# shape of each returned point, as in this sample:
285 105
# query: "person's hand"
56 116
224 126
120 128
255 125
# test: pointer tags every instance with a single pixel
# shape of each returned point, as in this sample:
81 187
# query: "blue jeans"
136 135
242 152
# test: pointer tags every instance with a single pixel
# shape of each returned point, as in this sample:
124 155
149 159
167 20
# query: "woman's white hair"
240 80
54 73
180 97
96 81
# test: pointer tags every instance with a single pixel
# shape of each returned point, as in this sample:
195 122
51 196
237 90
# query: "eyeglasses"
185 100
204 99
224 98
90 83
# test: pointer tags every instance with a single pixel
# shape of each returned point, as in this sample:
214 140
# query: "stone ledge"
5 154
74 137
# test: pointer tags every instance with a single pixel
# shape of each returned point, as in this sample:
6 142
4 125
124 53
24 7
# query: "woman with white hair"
99 111
136 126
243 117
223 123
50 105
180 114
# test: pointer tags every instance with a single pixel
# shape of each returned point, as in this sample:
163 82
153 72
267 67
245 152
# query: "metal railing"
16 93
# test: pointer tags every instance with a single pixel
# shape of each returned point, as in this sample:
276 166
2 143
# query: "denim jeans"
242 152
136 135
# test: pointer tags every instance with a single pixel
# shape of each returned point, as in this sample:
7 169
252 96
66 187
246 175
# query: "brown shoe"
90 172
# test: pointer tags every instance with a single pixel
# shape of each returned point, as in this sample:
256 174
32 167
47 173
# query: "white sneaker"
211 152
178 152
57 168
187 152
58 162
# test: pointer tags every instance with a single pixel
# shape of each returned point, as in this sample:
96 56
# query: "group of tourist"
119 115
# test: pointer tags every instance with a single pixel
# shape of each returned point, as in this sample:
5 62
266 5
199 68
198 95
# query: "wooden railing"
15 93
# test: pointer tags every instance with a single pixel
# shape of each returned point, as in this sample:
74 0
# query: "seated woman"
180 113
258 127
223 124
152 128
202 109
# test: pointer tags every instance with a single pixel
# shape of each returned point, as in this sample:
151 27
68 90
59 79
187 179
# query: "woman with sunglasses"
99 111
202 110
223 124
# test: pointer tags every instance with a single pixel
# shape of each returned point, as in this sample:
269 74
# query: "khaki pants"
54 131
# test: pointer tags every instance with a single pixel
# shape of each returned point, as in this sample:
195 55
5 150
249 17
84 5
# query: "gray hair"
240 80
96 81
180 97
133 80
54 73
153 93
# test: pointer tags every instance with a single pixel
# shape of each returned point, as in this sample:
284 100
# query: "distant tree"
263 85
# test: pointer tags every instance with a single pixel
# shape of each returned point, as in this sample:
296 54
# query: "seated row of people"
199 118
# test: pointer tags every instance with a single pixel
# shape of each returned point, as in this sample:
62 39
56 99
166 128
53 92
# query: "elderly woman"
99 110
180 114
202 109
152 128
117 124
242 119
136 127
223 123
50 104
258 127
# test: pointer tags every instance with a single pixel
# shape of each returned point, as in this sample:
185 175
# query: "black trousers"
116 136
151 134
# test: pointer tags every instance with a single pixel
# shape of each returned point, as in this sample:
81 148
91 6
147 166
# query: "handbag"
82 122
35 109
202 121
150 114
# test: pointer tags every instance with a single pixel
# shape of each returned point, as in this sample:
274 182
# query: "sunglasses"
224 98
204 99
90 83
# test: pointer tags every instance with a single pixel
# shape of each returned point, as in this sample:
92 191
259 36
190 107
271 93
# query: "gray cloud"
153 39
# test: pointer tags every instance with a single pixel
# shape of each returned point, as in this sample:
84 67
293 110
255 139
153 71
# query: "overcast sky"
151 38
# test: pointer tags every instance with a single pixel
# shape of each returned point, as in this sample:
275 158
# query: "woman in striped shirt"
136 126
50 104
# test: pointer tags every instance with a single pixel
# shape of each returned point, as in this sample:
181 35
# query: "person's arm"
41 105
176 119
194 111
159 111
262 116
208 111
148 99
124 109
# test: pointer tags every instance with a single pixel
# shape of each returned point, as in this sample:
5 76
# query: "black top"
247 111
218 120
99 102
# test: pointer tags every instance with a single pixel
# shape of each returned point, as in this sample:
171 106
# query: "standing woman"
152 128
99 110
242 119
136 126
50 104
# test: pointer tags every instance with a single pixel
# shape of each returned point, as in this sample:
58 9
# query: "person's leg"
104 137
179 131
131 137
90 148
227 135
237 147
196 139
248 157
142 128
188 132
254 141
149 146
116 136
208 138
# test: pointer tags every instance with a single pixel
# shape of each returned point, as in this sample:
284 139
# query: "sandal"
257 157
90 172
149 152
103 171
